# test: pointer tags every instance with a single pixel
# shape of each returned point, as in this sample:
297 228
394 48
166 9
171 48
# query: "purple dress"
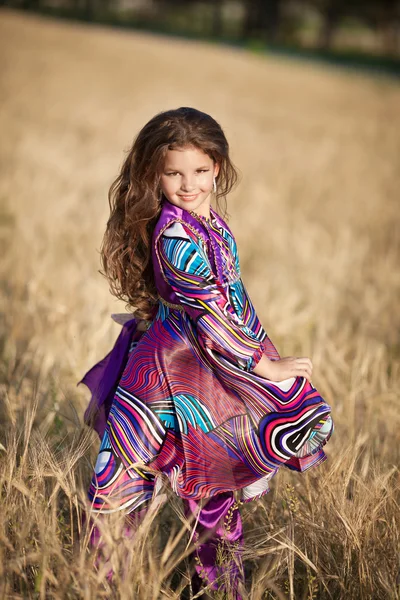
180 402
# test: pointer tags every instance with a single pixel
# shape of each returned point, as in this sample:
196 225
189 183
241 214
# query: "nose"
187 184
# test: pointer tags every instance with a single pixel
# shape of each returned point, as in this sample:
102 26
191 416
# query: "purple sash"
102 379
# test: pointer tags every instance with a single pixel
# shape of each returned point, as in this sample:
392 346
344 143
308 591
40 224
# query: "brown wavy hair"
135 200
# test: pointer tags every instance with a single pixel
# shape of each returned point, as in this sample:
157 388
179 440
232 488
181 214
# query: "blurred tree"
270 21
30 4
249 18
160 6
381 15
384 16
173 3
273 19
332 12
85 8
217 22
262 19
89 9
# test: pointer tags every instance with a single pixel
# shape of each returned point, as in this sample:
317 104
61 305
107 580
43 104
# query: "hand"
285 368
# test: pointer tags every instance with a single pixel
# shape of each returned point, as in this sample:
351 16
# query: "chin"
190 204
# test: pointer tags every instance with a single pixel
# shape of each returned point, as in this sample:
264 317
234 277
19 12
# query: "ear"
216 169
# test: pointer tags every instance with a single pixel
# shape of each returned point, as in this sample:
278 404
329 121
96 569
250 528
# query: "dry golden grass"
317 222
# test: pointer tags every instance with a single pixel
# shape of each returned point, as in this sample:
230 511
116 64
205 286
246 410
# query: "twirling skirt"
166 411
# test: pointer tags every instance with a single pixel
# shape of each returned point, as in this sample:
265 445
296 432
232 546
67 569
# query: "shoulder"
183 249
177 229
180 230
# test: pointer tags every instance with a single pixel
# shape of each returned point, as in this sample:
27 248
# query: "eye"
173 173
203 170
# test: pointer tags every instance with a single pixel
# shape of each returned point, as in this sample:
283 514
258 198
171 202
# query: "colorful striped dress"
188 408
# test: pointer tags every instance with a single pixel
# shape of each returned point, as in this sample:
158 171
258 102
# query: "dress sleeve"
187 270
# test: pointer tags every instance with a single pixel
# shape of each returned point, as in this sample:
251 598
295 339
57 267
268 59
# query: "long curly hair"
135 200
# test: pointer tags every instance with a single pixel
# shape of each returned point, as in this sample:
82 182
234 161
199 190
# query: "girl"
193 390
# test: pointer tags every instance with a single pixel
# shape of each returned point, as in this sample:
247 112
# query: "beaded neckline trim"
209 219
171 305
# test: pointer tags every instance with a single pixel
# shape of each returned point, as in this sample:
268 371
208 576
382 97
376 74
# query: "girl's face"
187 179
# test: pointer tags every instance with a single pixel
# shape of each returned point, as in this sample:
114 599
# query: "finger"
305 376
306 367
304 361
305 373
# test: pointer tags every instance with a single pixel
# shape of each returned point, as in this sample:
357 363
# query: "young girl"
193 389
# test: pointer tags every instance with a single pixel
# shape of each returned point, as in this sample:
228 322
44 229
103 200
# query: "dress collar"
199 225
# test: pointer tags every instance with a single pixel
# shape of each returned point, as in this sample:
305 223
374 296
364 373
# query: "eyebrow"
197 168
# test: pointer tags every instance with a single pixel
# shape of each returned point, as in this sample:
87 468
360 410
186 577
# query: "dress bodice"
212 236
221 242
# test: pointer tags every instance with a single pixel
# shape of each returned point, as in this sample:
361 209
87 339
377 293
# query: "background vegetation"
354 32
317 223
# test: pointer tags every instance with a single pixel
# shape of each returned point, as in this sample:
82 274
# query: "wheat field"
316 217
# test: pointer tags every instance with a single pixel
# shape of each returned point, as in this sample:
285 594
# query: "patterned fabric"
188 407
216 531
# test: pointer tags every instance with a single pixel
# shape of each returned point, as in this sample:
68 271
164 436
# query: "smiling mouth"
188 196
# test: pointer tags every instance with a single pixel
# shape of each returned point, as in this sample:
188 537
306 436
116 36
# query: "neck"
202 211
169 210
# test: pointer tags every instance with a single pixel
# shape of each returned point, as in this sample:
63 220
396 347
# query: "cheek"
206 181
168 183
